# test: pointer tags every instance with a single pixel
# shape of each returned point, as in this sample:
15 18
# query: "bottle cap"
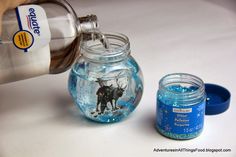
218 99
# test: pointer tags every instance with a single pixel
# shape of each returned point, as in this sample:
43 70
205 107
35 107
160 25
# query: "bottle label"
180 122
34 30
28 54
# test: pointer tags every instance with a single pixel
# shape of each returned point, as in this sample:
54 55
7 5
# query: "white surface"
37 117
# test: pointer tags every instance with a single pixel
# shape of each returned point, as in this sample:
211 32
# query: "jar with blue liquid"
181 102
106 83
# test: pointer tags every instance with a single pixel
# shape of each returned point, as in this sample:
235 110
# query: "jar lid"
218 99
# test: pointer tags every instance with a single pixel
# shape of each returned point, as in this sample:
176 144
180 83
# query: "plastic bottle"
41 38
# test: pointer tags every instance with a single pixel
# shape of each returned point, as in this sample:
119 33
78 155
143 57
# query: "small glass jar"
106 83
181 101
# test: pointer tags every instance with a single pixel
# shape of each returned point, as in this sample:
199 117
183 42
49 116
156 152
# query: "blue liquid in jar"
84 88
176 117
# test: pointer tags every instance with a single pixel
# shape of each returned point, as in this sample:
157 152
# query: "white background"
37 116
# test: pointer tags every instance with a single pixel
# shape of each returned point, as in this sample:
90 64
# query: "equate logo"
32 21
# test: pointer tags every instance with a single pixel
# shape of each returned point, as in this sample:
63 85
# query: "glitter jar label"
180 122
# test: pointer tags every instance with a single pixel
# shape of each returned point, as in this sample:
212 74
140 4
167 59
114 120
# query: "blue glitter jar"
106 84
181 102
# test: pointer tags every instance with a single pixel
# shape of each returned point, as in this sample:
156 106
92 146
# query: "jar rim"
116 52
181 78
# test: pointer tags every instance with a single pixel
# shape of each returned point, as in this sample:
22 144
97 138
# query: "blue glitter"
180 106
83 88
106 83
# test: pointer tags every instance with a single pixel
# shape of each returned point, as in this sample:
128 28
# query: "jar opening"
107 47
182 87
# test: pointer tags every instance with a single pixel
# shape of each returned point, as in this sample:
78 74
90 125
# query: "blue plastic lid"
218 99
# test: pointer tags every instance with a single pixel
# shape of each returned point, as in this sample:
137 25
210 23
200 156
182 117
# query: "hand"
8 4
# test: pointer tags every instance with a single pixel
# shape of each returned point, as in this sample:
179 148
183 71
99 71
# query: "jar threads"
180 106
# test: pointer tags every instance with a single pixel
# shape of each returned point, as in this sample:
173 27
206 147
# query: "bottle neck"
87 24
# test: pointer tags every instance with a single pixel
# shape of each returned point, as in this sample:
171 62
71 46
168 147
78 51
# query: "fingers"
9 4
15 3
29 1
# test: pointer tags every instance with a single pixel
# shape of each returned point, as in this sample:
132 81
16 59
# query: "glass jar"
106 83
181 101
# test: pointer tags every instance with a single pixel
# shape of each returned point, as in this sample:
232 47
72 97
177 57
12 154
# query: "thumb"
15 3
9 5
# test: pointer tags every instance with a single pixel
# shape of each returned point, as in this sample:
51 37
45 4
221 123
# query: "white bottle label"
34 30
28 54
